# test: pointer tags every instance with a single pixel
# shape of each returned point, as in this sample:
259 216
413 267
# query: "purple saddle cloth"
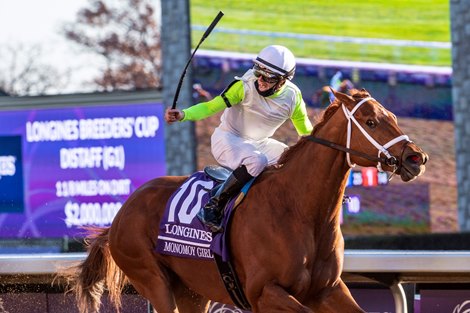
181 233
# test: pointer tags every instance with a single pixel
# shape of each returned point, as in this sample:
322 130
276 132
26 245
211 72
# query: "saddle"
217 173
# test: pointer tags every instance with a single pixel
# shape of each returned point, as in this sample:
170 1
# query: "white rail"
407 262
36 264
356 261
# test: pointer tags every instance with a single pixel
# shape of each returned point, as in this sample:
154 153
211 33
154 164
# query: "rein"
389 159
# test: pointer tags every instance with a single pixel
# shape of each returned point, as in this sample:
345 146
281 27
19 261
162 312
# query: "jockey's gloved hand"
173 115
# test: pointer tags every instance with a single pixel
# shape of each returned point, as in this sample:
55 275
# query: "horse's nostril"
414 159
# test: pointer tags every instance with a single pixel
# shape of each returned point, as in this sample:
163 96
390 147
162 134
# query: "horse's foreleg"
275 299
335 300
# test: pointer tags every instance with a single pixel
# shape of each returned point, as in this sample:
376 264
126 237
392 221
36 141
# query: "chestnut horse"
286 240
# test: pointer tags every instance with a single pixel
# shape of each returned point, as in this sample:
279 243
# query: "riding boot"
212 213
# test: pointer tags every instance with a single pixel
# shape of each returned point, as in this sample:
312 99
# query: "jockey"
256 105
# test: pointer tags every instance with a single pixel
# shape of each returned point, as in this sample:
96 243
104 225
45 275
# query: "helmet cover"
277 59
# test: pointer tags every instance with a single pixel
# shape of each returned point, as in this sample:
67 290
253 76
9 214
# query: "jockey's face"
263 85
266 78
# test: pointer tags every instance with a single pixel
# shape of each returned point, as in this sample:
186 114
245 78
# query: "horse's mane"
327 114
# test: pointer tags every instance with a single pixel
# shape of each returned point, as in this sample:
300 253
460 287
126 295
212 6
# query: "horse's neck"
320 175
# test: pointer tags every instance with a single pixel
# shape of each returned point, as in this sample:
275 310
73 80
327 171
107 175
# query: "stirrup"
212 214
214 224
215 228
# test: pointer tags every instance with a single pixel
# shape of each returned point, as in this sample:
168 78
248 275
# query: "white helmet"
277 59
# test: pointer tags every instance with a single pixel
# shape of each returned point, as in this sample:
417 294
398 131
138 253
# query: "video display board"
65 168
376 205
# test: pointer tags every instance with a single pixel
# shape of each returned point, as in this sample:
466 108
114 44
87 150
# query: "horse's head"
373 131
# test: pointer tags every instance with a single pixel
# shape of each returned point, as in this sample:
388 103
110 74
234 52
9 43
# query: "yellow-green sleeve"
300 119
204 109
231 96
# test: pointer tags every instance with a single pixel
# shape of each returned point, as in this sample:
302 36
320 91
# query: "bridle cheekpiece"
390 160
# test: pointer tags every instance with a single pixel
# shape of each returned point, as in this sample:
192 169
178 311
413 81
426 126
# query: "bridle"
389 159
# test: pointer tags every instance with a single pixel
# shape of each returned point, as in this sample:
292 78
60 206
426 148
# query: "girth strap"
232 283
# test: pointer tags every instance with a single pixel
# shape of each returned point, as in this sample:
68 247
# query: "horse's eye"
371 123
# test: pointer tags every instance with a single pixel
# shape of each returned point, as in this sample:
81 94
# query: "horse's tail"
97 273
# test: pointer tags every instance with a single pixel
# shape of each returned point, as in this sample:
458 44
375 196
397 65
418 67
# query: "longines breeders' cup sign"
61 169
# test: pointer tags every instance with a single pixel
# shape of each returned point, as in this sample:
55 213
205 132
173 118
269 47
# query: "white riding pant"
232 151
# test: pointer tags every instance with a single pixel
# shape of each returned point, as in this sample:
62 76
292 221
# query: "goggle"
266 75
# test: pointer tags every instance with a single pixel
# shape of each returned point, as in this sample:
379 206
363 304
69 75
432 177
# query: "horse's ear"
366 93
344 98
